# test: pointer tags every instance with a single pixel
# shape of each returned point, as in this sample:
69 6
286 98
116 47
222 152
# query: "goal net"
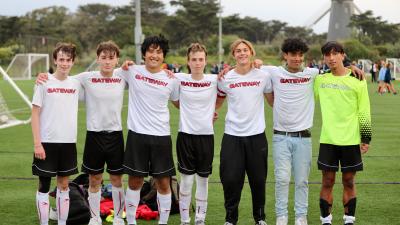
24 66
395 69
366 65
15 107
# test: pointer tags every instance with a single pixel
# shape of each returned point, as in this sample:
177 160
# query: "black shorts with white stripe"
348 156
60 160
103 148
148 155
195 153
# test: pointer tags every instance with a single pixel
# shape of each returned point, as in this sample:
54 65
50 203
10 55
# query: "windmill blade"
358 10
326 8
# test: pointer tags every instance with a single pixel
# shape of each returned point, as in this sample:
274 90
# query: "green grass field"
378 186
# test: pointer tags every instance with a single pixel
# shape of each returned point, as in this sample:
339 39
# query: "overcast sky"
294 12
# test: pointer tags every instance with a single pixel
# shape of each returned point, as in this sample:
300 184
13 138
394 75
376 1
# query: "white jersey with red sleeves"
58 102
245 93
103 99
149 93
197 104
293 98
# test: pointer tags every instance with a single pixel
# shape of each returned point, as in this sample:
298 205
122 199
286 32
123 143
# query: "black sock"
351 207
44 184
325 207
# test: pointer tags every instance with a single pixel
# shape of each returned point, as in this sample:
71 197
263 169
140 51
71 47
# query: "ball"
3 118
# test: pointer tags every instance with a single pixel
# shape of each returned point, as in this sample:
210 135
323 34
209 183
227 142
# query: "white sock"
42 205
201 197
131 203
185 196
164 207
94 204
118 196
62 206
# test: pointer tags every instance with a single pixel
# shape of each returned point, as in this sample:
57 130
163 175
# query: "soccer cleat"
185 223
348 220
95 221
261 222
282 220
301 221
118 221
227 223
326 220
200 222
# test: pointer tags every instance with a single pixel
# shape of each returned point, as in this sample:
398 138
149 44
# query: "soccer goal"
366 65
23 66
395 70
14 104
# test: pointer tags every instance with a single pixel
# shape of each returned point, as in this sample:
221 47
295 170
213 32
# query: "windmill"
340 13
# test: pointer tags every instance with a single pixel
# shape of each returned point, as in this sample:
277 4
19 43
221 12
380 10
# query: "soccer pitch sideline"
378 186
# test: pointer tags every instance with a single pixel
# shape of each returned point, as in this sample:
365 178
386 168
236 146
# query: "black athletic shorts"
148 155
60 160
103 147
349 157
195 154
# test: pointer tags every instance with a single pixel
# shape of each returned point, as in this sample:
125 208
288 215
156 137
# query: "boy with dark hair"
104 143
346 130
149 147
293 112
54 128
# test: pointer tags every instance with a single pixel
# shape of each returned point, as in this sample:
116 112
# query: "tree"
11 28
194 21
374 28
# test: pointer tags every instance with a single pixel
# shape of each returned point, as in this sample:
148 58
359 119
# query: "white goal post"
7 119
23 66
366 65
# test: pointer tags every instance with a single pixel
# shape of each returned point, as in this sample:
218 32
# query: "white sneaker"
227 223
118 221
95 221
261 222
282 220
53 214
301 221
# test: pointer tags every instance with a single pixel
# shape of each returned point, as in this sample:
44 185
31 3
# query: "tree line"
194 20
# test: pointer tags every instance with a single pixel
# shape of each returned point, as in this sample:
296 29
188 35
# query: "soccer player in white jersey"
293 113
195 142
104 139
104 144
244 145
54 128
149 146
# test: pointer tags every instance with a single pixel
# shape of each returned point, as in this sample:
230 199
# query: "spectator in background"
373 71
381 77
388 79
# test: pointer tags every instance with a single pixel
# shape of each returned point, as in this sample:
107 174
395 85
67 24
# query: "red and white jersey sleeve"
197 104
245 94
103 99
293 98
58 102
149 93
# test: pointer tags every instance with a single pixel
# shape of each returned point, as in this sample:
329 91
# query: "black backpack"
79 211
148 195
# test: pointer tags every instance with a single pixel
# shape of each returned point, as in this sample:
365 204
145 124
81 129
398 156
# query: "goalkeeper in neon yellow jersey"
345 133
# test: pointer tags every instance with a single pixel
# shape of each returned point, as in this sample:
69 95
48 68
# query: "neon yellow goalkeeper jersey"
345 109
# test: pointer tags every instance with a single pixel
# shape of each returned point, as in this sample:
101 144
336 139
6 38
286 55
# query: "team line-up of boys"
291 90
